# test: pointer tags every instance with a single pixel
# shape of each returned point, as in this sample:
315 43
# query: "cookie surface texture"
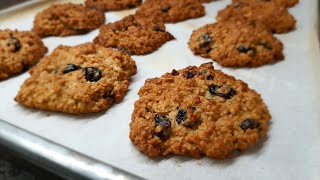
237 44
67 19
79 79
287 3
171 11
19 50
136 36
276 18
197 111
112 5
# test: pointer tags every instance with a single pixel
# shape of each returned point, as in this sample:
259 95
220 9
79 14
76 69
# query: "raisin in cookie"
197 111
110 5
67 19
80 79
236 43
19 50
137 36
171 11
276 18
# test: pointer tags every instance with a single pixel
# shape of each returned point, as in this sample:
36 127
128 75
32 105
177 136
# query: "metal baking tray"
91 146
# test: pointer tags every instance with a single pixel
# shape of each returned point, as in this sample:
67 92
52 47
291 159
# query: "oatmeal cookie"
19 50
67 19
137 36
197 111
276 18
287 3
236 43
171 11
112 5
80 79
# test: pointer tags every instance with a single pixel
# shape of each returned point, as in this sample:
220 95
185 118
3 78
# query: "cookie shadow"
178 160
40 114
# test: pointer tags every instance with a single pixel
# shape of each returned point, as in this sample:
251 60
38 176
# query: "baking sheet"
290 89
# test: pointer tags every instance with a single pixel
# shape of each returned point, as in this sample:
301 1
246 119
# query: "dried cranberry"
210 77
25 66
249 123
181 116
205 40
213 89
161 120
165 8
13 41
245 49
189 74
92 74
109 95
193 108
230 93
70 68
124 50
158 28
164 134
266 46
174 72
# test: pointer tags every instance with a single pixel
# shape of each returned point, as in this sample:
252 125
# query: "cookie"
276 18
137 36
287 3
171 11
112 5
197 111
80 79
67 19
237 44
19 50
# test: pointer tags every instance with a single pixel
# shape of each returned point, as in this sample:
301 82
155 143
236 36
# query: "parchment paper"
290 89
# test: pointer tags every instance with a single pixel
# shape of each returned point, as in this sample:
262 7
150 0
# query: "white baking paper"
290 88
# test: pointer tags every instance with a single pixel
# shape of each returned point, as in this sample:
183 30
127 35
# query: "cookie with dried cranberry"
197 111
67 19
171 11
112 5
19 50
80 79
136 36
237 44
276 18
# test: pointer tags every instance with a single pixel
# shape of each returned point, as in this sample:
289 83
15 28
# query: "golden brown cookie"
171 11
197 111
67 19
287 3
112 5
137 36
19 50
80 79
276 18
237 44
